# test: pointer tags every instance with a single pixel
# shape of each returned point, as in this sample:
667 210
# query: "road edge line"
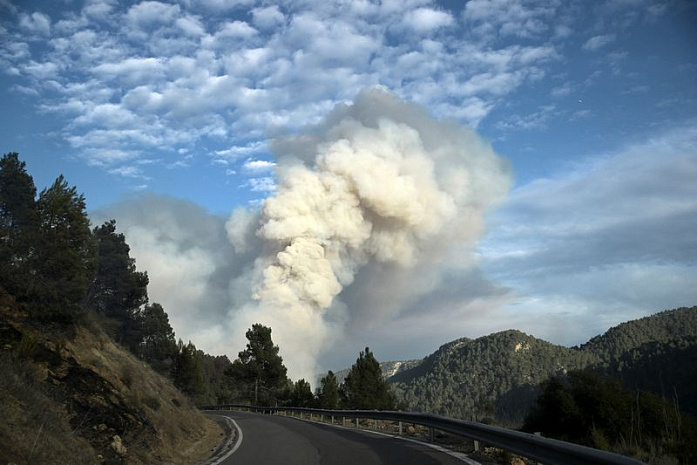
238 443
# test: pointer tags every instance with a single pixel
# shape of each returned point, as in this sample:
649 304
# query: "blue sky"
174 104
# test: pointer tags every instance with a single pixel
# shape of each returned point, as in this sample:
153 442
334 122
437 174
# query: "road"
270 439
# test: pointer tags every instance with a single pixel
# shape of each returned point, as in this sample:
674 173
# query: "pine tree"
301 395
364 387
259 369
187 370
118 291
329 391
158 346
63 264
18 222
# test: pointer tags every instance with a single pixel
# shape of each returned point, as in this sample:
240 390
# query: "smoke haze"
375 209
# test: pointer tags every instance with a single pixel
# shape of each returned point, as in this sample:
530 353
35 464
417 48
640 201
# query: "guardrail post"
343 421
400 428
356 422
430 434
476 446
332 420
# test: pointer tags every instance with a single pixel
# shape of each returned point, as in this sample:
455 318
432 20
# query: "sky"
508 163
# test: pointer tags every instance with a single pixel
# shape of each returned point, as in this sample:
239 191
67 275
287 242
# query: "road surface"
270 440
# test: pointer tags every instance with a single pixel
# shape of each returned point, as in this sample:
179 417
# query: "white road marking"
240 436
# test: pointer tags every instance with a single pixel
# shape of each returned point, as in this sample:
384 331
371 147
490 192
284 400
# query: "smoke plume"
379 186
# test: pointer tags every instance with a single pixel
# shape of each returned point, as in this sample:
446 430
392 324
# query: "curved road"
270 439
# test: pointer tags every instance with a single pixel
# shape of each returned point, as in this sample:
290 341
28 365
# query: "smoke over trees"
378 182
374 215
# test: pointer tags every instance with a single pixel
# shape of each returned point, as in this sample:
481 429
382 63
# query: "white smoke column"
380 181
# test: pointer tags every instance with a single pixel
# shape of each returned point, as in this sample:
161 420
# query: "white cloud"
263 184
598 42
190 26
150 13
427 19
258 166
129 172
267 17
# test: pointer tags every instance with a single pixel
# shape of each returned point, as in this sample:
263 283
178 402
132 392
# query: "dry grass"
64 400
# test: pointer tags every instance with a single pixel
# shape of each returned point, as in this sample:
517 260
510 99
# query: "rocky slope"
76 397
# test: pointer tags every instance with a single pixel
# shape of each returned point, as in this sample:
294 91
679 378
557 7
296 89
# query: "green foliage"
118 291
364 387
64 259
157 346
499 375
301 395
187 370
587 408
493 376
259 370
18 221
328 393
219 389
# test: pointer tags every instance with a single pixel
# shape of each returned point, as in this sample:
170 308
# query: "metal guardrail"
545 450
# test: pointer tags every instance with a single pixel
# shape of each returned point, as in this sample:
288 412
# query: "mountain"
388 369
72 395
499 375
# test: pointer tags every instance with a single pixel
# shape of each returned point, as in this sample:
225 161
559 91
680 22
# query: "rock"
517 461
102 427
118 446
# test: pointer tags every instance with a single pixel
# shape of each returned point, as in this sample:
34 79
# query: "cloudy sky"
169 116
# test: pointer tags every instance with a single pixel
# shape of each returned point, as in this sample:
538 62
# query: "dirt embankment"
77 397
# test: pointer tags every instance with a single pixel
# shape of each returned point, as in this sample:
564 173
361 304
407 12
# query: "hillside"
662 327
492 376
499 375
74 396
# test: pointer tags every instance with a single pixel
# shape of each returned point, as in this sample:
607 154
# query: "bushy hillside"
670 326
499 375
493 376
74 396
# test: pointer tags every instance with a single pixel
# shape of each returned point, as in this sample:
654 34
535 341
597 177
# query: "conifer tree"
259 368
64 258
118 291
329 391
158 346
364 387
18 221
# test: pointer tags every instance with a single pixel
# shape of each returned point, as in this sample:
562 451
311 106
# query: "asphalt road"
270 440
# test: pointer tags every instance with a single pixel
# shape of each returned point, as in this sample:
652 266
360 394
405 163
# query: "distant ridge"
498 376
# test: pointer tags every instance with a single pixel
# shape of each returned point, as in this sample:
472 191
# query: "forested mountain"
492 376
499 375
670 326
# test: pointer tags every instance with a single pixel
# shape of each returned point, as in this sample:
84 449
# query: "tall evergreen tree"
364 387
18 221
63 264
301 395
158 346
329 391
187 370
118 291
259 368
